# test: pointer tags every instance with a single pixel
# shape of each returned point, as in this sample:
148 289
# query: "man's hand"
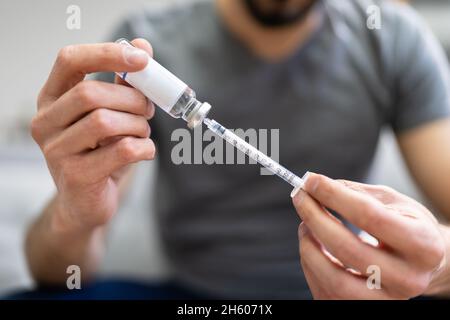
90 131
411 250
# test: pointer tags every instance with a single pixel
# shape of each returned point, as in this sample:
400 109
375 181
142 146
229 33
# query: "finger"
141 44
340 283
75 61
103 162
346 247
314 284
338 240
358 208
88 96
147 47
89 132
389 196
384 194
144 45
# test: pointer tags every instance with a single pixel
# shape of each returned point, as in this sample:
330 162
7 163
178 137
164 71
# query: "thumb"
141 44
144 45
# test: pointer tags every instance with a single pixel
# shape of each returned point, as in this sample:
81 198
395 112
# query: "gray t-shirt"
226 228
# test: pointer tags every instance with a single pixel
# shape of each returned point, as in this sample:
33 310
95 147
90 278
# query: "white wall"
31 33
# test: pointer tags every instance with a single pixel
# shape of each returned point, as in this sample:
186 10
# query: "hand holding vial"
90 131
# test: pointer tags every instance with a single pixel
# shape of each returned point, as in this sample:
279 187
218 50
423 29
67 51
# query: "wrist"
440 282
52 245
62 222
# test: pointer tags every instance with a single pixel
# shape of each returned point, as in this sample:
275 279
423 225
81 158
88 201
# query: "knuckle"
389 194
108 50
40 99
370 215
140 101
127 150
35 129
151 150
427 245
100 121
152 108
437 252
65 55
368 208
103 219
305 249
386 189
85 92
144 128
434 250
52 151
49 149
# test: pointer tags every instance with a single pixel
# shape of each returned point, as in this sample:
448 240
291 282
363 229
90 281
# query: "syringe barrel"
254 153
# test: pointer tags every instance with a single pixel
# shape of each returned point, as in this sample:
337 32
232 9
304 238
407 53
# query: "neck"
272 44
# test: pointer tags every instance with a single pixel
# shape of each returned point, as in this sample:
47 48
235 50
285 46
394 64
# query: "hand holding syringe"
253 153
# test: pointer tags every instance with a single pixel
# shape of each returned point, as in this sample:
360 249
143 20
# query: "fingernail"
312 186
149 110
302 186
299 197
305 177
296 190
134 55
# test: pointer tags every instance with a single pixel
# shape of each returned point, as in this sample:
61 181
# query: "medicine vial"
167 91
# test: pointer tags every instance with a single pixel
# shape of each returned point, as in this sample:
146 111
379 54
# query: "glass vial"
167 91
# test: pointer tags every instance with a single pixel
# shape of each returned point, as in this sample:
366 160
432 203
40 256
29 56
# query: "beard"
279 15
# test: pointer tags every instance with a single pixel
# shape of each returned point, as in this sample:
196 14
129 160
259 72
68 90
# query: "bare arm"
427 153
50 251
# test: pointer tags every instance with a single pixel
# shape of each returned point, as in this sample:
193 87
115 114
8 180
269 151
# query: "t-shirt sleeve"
422 73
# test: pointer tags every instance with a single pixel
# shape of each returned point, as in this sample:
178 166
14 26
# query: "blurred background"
32 32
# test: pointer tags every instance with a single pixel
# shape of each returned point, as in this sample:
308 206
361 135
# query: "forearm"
50 249
440 285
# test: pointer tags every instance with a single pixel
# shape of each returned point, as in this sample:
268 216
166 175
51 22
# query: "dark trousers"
115 290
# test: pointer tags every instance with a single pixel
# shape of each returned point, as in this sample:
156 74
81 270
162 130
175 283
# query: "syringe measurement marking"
253 153
260 158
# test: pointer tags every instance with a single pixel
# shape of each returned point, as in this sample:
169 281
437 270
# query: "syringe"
254 153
